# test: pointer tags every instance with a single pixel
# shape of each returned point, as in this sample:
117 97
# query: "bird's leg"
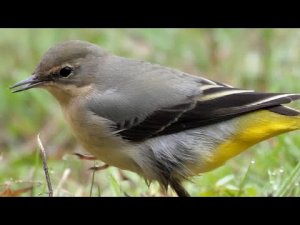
178 188
90 157
85 157
98 168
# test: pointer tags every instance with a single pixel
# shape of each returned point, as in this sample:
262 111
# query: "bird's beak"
30 82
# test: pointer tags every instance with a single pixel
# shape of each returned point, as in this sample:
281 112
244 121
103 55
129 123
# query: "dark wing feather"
224 108
215 105
156 123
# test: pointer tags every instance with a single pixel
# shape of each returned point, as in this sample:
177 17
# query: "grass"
260 59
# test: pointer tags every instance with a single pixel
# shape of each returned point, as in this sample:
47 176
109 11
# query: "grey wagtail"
161 123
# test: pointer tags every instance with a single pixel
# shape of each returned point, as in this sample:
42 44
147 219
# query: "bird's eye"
66 71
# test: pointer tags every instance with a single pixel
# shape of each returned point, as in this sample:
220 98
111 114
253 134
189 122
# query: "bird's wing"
217 103
153 110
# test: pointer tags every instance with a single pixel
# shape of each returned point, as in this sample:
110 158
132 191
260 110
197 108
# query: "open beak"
30 82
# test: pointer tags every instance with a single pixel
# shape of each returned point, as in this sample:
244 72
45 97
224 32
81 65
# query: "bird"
159 122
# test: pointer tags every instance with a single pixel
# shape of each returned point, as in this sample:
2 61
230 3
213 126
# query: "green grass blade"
37 163
116 186
289 182
243 181
93 181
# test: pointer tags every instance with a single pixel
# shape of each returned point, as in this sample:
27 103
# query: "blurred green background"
260 59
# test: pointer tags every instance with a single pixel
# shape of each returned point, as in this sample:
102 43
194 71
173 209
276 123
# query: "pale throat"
68 92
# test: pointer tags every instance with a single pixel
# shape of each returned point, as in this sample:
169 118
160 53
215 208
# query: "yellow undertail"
251 129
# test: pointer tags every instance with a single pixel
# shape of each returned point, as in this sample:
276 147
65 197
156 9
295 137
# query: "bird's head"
65 70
